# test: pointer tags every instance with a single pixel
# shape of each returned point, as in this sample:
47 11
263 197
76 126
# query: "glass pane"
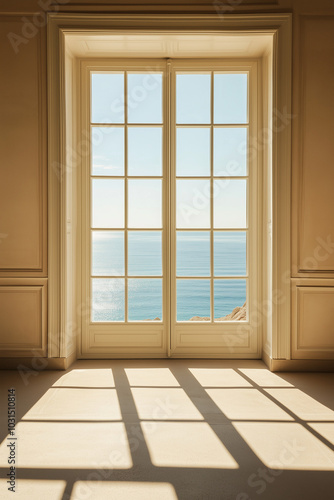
108 300
193 253
230 253
229 295
230 151
108 203
145 300
230 204
145 151
108 98
230 98
193 98
107 151
193 300
144 97
108 253
145 203
145 253
192 204
193 152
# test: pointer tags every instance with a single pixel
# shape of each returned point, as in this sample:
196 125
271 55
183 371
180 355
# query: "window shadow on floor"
172 429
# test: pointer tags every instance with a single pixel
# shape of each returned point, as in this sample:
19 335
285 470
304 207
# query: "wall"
23 167
23 203
313 181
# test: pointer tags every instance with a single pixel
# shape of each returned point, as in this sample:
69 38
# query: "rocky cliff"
238 314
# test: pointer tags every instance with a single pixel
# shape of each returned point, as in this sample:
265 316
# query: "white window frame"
130 338
226 338
64 325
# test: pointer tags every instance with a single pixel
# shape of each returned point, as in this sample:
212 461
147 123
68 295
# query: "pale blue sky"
230 151
230 98
193 101
108 151
107 98
193 155
108 203
145 151
230 204
144 98
145 197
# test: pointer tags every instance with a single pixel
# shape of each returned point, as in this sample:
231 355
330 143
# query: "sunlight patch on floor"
123 491
301 404
151 377
219 377
70 445
87 378
264 378
191 444
325 429
164 404
36 489
286 446
76 404
246 404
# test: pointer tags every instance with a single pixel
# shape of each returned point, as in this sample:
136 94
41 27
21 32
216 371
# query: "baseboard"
298 365
266 359
37 364
71 358
274 365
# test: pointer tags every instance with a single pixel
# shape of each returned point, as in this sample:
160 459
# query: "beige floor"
168 430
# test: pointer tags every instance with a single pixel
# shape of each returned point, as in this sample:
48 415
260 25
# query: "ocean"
145 259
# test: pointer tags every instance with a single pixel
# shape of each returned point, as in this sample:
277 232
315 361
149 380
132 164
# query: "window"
211 180
169 219
127 183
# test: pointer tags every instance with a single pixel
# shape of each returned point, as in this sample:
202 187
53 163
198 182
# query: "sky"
145 149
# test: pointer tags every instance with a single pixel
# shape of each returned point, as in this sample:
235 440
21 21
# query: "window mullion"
212 305
126 195
168 276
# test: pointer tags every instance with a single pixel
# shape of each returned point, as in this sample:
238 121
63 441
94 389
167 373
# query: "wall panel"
315 227
313 326
23 314
22 146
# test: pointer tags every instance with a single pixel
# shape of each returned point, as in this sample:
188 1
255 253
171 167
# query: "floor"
168 430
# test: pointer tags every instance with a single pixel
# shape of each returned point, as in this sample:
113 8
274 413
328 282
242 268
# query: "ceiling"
168 45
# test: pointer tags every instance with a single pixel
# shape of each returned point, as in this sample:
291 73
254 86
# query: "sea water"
145 287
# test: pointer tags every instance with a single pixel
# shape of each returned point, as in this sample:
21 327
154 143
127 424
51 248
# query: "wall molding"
301 349
41 268
151 6
299 208
37 347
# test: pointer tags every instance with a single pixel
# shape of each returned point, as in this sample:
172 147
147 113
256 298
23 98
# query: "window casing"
69 37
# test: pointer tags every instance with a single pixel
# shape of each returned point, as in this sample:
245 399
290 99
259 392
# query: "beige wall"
23 201
23 186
